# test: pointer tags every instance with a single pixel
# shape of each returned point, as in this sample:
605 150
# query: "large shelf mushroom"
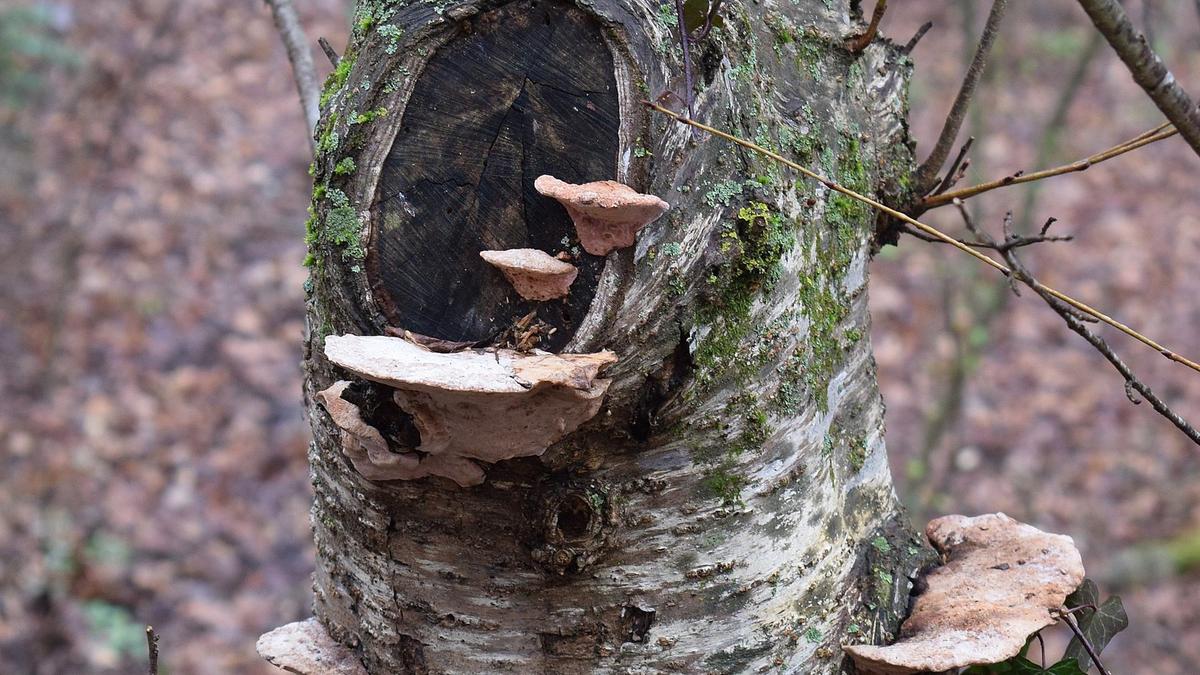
608 215
485 405
1001 583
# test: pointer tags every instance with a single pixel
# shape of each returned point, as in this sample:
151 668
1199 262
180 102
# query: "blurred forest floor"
153 189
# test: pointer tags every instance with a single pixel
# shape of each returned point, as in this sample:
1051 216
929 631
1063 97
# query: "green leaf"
1099 627
1086 594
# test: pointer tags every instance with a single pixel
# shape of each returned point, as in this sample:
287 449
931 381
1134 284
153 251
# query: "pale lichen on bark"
730 508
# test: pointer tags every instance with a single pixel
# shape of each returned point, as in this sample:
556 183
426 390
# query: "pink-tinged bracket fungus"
369 452
608 215
305 647
536 275
1001 583
485 405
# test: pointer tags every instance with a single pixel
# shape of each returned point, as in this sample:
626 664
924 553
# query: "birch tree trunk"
730 508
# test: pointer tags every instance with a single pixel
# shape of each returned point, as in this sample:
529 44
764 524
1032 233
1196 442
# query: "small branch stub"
608 215
573 521
536 275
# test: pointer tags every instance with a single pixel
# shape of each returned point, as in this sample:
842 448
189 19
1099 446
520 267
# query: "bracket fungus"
536 275
306 648
608 215
1001 582
525 402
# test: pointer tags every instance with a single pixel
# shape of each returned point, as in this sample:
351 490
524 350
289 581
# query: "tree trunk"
730 507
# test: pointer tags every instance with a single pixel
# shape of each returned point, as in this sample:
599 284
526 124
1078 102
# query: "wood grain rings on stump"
526 89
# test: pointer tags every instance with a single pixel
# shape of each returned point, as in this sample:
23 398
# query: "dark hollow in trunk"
523 90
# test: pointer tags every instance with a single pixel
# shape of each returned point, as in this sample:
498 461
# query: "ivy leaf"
1065 667
1086 594
1099 627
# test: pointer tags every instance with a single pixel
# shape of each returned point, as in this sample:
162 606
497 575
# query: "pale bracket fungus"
526 402
1002 581
608 215
536 275
305 647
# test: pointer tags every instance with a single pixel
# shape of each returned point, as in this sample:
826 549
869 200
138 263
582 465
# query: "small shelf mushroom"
536 275
486 405
1000 584
608 215
305 647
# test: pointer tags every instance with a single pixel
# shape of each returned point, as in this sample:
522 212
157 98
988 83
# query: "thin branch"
934 232
912 43
1150 73
685 41
330 54
988 302
295 42
152 649
709 17
1074 322
1015 241
1086 644
857 44
926 174
954 174
1145 138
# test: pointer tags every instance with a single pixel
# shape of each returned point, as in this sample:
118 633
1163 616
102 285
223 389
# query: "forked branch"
1075 323
1146 138
1147 69
926 175
295 42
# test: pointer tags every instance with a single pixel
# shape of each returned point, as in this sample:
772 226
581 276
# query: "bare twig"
295 42
1150 73
934 232
1015 241
957 169
912 42
711 16
1084 641
330 54
152 649
1145 138
685 42
857 44
926 174
1074 322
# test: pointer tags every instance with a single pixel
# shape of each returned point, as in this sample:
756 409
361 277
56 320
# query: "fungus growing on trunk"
1000 584
371 455
526 402
536 275
608 215
306 648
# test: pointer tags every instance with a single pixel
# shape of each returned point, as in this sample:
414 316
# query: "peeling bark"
730 508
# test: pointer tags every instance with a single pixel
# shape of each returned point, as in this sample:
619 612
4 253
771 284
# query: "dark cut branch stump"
729 507
525 89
